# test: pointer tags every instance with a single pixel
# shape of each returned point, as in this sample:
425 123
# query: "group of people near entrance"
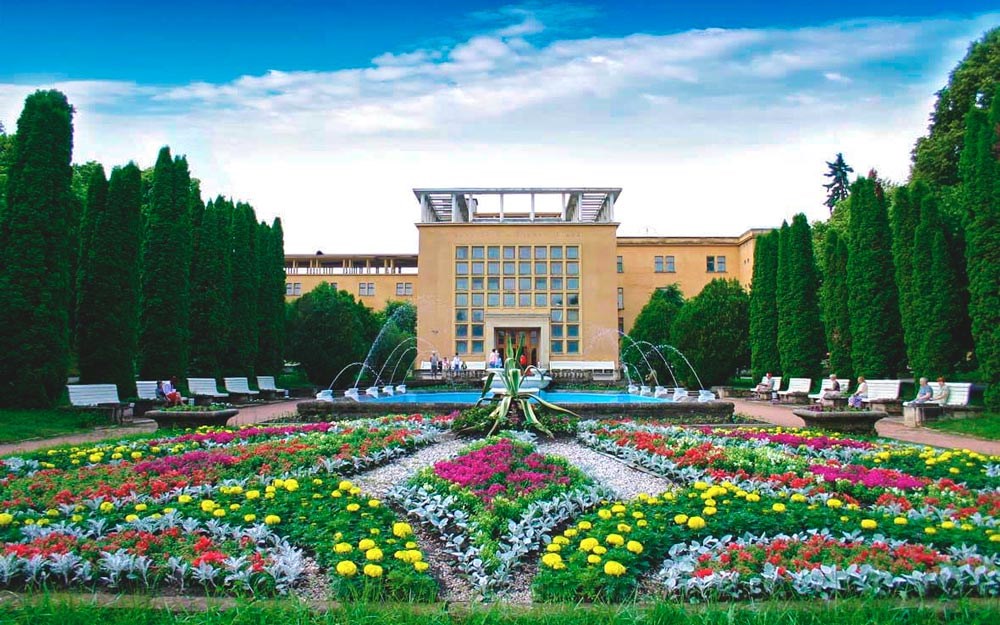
440 365
925 393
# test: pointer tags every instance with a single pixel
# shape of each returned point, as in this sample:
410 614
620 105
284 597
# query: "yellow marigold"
365 544
139 507
132 518
642 523
594 559
410 545
355 491
778 507
343 548
553 561
252 494
219 512
317 481
107 506
409 556
553 547
272 519
374 554
345 485
696 523
181 499
699 485
421 566
374 503
374 531
900 520
600 550
249 518
570 532
347 568
234 507
615 539
588 544
95 457
560 540
291 485
618 508
868 524
681 519
336 493
604 513
353 507
995 538
401 530
584 525
932 530
634 546
833 502
948 525
373 570
753 497
76 518
798 497
207 505
709 511
136 455
613 568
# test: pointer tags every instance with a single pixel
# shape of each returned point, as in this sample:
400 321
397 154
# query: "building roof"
517 204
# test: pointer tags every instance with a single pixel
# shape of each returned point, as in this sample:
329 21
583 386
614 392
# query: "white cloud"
708 131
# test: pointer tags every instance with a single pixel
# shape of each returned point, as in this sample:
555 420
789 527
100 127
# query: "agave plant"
514 398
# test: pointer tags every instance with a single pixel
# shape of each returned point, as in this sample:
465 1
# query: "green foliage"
35 280
242 351
972 82
210 288
165 292
19 425
764 307
837 188
981 426
799 327
107 314
980 173
712 330
326 332
933 343
479 421
833 297
873 301
652 326
271 299
6 158
904 217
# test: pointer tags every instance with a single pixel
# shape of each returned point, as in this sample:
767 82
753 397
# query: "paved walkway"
266 412
891 427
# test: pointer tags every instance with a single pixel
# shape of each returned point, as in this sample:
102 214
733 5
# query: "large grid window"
663 264
406 288
517 277
366 289
715 264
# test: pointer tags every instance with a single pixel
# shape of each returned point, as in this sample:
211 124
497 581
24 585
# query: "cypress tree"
95 205
35 280
800 330
833 296
210 292
782 299
980 174
243 302
279 309
763 307
271 297
936 309
904 218
109 294
165 292
873 302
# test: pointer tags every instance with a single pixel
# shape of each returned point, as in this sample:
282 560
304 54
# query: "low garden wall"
682 412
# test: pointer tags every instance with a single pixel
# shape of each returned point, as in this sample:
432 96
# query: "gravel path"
625 481
379 480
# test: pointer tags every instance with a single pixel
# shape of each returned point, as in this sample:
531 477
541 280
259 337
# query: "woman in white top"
859 395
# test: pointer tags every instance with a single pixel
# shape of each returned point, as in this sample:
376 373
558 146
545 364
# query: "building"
545 264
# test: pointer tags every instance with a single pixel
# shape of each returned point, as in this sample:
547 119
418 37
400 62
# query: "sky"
714 117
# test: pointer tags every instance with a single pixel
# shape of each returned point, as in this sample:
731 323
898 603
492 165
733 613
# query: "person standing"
434 364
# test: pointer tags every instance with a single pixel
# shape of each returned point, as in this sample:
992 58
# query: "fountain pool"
555 397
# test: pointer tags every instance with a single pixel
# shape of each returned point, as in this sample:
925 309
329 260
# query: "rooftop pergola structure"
486 205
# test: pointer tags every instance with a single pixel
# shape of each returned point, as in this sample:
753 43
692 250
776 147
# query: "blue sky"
311 110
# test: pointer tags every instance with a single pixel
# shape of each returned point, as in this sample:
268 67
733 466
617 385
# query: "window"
406 288
477 315
524 284
572 269
555 253
461 253
556 299
572 283
477 269
715 264
524 300
557 269
572 252
658 264
621 265
572 347
556 330
477 330
477 284
509 300
493 268
461 268
461 347
508 284
556 314
298 289
669 262
461 299
295 288
478 252
462 330
541 252
461 315
541 300
508 252
477 347
572 330
508 269
621 298
556 284
493 300
572 314
493 252
366 288
461 284
524 252
524 268
572 299
621 324
493 284
557 347
478 299
288 288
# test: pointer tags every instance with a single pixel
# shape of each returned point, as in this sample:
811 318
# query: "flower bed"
496 502
218 510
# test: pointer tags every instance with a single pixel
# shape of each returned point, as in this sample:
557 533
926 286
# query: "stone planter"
190 418
915 415
847 421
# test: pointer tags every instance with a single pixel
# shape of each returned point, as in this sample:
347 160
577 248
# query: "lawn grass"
19 425
986 426
60 611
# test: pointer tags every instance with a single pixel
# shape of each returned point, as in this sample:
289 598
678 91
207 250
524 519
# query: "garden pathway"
265 412
83 438
625 481
891 427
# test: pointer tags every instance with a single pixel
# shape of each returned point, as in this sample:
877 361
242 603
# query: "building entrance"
530 336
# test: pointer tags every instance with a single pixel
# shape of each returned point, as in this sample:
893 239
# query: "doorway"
530 336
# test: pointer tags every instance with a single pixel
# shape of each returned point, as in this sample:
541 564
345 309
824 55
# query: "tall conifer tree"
763 307
243 303
35 280
108 315
271 298
980 173
800 330
876 333
165 272
782 297
833 297
210 292
904 219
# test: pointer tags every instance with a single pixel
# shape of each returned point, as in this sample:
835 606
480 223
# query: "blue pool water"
556 397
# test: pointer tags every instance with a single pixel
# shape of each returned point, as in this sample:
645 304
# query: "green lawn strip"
20 425
982 426
66 609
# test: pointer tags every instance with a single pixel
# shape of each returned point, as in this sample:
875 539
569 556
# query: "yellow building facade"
542 265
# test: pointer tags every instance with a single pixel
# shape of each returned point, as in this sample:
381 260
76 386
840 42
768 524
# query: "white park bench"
798 389
205 389
240 387
774 388
596 369
825 386
475 365
883 396
957 404
267 387
102 397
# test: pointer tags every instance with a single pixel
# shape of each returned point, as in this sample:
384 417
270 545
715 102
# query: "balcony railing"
350 271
